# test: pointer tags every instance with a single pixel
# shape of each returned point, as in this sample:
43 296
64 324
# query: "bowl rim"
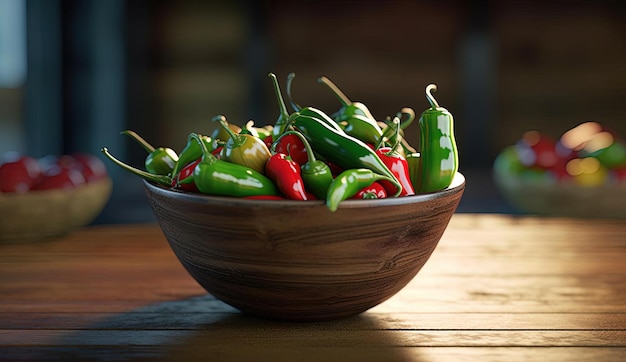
457 185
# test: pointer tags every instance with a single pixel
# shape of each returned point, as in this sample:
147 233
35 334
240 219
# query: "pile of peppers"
310 155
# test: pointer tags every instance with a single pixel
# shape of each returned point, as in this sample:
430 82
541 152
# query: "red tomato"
18 174
91 166
57 177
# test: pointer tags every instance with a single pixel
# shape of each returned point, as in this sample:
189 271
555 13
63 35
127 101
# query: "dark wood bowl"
296 260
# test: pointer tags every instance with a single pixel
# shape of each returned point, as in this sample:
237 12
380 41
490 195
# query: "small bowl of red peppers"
51 195
582 173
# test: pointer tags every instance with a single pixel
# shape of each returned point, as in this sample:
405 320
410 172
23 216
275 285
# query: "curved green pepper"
348 183
160 161
244 149
439 156
343 150
164 180
192 152
213 176
310 111
316 174
358 121
283 120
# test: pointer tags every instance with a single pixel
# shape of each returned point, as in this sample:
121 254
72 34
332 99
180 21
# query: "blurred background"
75 73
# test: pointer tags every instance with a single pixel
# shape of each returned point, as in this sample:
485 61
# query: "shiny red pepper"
399 167
189 185
286 174
293 146
373 191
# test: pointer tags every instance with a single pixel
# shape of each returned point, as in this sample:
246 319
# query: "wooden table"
498 288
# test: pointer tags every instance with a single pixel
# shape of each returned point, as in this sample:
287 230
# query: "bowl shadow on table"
205 328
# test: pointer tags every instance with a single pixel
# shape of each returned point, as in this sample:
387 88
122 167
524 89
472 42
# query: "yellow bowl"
296 260
37 215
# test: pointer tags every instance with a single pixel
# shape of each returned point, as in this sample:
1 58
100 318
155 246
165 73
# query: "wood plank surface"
496 288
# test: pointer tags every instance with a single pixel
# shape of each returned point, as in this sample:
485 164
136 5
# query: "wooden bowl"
563 198
296 260
38 215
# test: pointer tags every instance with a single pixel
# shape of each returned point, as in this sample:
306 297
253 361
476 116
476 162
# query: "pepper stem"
338 93
147 146
407 147
158 179
396 138
370 195
429 96
296 107
206 154
280 126
410 117
387 136
237 139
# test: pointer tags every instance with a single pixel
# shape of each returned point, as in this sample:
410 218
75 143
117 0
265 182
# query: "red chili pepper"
373 191
285 173
399 167
216 152
293 146
183 180
334 169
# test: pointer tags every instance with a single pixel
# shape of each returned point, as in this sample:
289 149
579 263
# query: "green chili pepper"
192 152
316 174
160 161
414 160
343 150
348 183
244 149
439 155
310 111
158 179
213 176
355 116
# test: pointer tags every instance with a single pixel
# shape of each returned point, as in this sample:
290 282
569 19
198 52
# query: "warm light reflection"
580 166
577 137
531 138
599 141
587 171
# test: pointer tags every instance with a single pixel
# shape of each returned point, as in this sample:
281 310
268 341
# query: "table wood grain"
497 288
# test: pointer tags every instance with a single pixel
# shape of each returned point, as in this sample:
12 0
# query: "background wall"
164 68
